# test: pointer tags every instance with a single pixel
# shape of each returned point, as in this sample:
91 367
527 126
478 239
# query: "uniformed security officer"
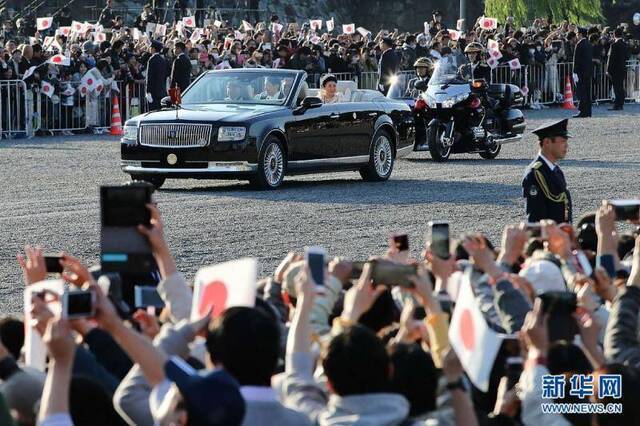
424 68
544 186
476 69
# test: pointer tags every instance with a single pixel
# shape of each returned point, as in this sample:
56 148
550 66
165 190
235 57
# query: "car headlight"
227 134
130 134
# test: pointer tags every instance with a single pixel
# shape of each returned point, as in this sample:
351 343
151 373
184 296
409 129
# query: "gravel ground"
49 196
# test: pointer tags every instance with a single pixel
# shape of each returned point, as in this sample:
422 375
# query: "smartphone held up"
438 236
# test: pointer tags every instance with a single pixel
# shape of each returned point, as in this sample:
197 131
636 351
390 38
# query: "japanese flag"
217 23
44 23
136 33
460 24
223 286
77 27
363 31
315 24
88 26
64 31
493 45
315 39
349 29
46 88
492 62
488 23
238 35
246 26
29 72
47 42
454 35
189 21
495 54
474 342
69 90
60 59
514 64
161 29
100 37
195 35
89 81
330 25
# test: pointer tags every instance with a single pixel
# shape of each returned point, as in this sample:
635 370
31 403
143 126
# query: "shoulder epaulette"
537 165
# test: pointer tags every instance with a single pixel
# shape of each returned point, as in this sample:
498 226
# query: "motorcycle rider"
476 69
424 68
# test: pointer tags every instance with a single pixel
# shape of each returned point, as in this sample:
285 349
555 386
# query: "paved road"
49 196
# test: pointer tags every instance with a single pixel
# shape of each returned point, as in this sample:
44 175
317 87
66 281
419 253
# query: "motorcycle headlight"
228 134
130 134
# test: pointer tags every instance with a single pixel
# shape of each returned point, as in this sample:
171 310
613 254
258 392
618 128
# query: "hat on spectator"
544 276
156 45
88 46
211 399
388 41
583 31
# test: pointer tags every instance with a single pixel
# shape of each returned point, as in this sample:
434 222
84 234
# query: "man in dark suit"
617 67
156 76
583 72
181 68
544 186
389 65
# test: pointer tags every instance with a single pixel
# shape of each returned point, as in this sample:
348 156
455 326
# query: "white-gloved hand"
149 98
575 78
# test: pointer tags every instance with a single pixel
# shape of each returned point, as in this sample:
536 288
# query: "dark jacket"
157 77
388 67
546 194
617 60
479 71
621 338
181 72
583 60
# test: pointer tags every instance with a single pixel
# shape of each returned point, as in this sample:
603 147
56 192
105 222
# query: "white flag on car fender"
223 286
474 342
44 23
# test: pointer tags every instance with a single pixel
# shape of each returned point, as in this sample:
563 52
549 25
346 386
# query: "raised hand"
33 266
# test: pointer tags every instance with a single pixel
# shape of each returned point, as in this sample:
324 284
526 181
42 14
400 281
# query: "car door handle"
334 115
373 114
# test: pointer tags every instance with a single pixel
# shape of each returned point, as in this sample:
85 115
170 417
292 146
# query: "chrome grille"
175 135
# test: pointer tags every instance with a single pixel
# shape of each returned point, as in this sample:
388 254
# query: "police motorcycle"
454 115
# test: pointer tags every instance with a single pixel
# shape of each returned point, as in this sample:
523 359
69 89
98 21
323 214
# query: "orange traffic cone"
116 121
568 95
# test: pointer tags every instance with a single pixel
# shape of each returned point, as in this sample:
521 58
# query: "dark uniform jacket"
477 71
388 67
617 61
546 194
156 79
181 72
583 60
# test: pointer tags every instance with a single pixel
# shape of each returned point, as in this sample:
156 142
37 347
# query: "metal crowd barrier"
15 101
24 110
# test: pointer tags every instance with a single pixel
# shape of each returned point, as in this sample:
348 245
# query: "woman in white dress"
329 90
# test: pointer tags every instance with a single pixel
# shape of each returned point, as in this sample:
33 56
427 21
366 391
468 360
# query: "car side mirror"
421 85
166 102
308 103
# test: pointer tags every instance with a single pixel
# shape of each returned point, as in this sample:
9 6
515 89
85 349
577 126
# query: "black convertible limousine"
229 125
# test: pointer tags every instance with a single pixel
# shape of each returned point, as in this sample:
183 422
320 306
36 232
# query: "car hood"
209 113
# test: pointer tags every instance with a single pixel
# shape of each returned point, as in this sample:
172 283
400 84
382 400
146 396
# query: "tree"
524 11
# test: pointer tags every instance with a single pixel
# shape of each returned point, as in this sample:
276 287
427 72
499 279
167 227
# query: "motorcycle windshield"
444 72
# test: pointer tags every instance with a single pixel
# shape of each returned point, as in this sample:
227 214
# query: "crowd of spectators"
349 352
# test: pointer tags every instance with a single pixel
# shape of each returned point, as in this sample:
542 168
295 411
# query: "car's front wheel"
271 165
381 158
156 181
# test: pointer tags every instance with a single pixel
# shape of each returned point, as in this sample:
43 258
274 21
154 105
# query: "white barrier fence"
27 111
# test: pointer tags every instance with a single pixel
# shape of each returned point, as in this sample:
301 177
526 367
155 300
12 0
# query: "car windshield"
268 88
398 89
444 72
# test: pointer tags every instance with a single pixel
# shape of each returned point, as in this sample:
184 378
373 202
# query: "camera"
78 304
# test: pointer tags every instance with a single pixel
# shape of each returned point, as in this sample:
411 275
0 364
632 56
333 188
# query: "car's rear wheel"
271 165
381 158
156 181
